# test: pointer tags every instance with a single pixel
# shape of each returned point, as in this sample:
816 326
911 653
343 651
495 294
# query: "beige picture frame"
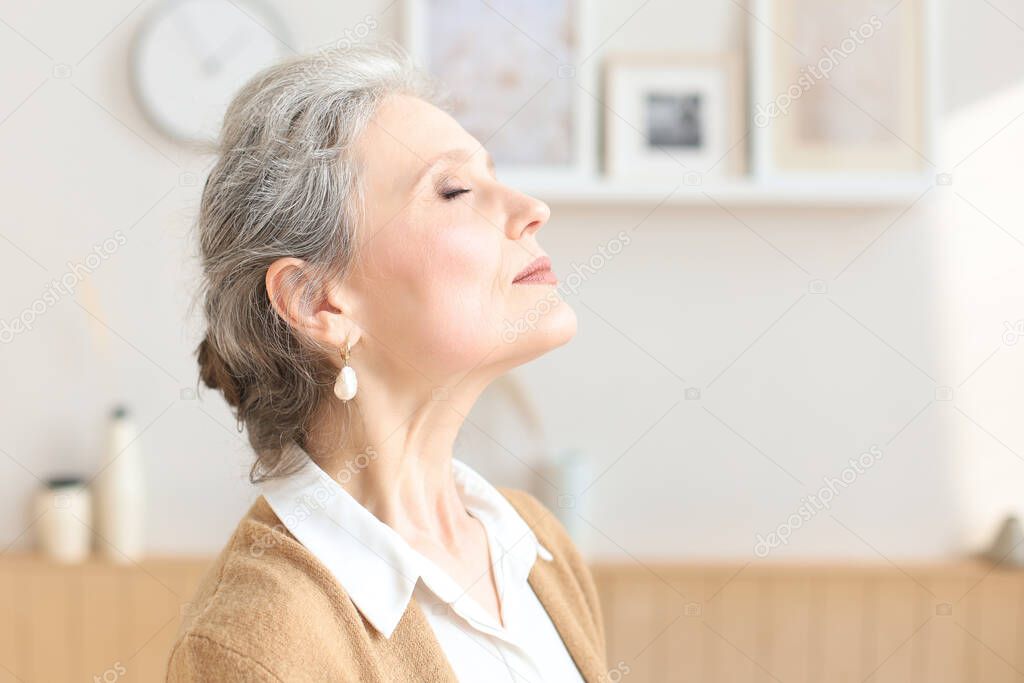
519 82
846 123
700 132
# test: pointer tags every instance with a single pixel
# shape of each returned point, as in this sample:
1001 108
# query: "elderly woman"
362 264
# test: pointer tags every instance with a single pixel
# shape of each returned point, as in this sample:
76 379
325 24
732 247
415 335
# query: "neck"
392 451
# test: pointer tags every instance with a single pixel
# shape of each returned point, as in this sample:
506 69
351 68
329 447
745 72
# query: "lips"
537 271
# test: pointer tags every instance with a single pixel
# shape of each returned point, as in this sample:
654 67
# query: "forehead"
406 135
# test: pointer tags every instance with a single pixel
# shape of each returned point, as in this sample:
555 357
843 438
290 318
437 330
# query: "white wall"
809 380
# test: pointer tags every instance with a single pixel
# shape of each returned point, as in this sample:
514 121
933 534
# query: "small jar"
62 509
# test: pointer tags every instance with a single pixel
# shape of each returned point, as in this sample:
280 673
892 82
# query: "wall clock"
191 56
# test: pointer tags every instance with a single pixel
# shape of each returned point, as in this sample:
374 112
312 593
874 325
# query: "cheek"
462 280
463 262
443 291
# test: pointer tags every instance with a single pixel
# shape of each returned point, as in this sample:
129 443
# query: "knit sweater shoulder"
269 610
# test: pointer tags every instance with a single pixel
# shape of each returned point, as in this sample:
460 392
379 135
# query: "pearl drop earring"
346 384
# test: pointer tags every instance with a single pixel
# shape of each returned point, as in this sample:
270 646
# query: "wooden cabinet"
807 624
95 621
729 623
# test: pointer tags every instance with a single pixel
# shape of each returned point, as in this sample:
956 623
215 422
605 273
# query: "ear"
321 313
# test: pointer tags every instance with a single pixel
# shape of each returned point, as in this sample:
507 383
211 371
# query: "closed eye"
452 194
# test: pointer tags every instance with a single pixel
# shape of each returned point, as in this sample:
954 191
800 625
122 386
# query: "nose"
527 215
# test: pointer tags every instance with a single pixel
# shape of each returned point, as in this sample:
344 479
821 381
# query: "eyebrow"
457 154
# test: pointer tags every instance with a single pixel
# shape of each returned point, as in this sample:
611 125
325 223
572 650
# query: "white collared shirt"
381 572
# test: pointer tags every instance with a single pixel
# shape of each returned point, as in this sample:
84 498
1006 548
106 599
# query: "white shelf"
811 194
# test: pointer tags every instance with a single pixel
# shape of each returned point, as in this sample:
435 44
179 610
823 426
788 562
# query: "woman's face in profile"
441 245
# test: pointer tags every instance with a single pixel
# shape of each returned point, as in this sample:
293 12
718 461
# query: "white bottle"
120 493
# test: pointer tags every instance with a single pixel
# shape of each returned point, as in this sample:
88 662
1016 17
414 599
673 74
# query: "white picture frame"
782 148
674 116
518 145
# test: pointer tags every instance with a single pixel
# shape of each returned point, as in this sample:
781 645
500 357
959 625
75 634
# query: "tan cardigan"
268 610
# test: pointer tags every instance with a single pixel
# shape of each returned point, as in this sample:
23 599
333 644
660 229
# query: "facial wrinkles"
467 257
499 286
498 290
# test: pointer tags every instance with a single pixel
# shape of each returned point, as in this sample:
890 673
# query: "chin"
563 328
534 335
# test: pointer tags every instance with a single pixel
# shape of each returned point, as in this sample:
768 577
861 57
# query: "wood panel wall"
728 623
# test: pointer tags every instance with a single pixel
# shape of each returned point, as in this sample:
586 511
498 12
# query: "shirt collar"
372 562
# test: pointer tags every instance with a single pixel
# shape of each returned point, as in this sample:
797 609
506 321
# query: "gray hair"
286 183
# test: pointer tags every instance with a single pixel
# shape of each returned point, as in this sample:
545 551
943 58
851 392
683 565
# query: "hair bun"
214 372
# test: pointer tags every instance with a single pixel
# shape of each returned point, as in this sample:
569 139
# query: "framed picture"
519 77
674 116
841 89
